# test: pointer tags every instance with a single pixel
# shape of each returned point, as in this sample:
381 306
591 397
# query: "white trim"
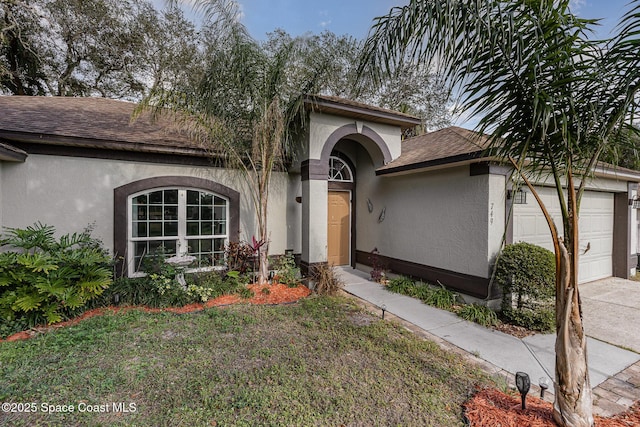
182 238
344 164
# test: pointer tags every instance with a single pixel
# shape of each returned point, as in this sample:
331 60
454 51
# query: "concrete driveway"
611 311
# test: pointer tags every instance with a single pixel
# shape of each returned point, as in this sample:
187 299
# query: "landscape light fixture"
384 308
543 382
523 383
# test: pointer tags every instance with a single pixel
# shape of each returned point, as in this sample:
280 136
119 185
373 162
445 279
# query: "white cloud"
325 24
576 5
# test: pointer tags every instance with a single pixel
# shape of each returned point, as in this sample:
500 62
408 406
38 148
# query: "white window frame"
181 239
332 161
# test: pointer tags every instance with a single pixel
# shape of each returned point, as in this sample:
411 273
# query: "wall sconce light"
523 383
519 197
299 199
383 213
635 202
369 205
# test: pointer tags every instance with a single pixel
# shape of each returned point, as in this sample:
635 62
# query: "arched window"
339 170
181 221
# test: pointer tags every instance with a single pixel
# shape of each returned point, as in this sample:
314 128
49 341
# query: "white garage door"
596 229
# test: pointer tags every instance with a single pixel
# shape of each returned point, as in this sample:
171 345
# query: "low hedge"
526 276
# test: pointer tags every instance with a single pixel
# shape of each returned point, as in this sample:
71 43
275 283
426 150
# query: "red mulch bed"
278 294
493 408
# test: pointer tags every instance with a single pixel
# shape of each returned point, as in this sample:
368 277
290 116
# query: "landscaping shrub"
287 272
526 275
327 281
240 257
44 280
441 298
402 285
477 313
159 290
378 267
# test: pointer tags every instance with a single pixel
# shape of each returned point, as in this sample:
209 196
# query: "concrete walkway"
609 366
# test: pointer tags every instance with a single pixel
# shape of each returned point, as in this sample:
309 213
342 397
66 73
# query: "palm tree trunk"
574 400
573 406
573 403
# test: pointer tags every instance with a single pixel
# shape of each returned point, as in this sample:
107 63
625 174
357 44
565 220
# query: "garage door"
596 229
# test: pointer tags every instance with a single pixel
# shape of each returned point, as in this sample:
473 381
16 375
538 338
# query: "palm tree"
245 108
554 101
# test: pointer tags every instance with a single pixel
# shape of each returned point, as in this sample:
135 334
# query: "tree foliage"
109 48
412 89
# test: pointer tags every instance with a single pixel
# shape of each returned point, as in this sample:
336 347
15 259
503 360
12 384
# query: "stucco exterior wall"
71 192
294 213
440 219
321 126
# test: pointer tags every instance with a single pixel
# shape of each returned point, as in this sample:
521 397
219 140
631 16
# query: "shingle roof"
348 108
89 122
453 145
443 146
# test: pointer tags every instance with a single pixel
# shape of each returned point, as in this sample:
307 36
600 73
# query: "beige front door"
339 227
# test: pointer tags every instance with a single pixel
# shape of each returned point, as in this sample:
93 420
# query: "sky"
354 17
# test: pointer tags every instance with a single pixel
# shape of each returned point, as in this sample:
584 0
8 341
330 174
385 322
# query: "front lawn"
321 361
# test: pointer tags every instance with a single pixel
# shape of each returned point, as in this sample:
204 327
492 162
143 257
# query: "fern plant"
45 280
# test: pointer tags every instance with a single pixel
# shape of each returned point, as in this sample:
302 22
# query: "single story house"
432 205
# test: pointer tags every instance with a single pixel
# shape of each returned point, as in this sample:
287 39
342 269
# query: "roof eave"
614 173
435 164
25 137
337 108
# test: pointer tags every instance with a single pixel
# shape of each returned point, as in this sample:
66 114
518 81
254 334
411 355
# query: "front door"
339 228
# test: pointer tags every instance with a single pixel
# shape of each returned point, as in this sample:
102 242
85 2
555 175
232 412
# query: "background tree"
108 48
554 100
411 89
20 63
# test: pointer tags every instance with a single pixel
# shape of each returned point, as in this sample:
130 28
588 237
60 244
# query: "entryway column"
314 218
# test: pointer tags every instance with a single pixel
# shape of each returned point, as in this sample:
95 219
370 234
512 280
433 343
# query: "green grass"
321 362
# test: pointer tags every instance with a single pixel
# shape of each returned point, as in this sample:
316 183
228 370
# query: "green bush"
477 313
158 290
402 285
46 280
526 276
543 319
287 272
441 298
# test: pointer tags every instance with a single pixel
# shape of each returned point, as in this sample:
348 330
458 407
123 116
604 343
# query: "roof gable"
448 145
358 110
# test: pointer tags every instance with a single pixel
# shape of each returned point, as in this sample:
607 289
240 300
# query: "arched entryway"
329 193
340 215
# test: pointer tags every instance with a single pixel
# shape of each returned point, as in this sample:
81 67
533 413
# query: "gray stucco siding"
439 219
71 192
